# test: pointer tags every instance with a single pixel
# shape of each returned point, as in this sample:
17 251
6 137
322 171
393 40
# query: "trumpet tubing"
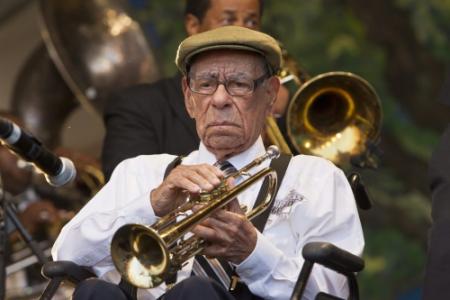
275 136
146 255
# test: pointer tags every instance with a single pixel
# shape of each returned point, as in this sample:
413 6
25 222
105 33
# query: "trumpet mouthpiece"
273 152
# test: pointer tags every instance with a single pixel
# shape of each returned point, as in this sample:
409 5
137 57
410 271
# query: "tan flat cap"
229 37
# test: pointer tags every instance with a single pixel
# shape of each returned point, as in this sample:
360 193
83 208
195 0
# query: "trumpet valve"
205 197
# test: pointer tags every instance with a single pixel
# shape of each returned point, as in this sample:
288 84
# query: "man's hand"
182 181
228 233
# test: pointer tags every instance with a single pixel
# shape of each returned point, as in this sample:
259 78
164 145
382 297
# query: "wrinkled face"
228 124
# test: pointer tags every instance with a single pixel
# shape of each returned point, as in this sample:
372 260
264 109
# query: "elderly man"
229 87
151 118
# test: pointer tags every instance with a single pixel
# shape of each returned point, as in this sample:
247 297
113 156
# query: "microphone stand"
7 211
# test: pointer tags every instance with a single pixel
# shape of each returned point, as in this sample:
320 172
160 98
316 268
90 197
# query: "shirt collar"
239 160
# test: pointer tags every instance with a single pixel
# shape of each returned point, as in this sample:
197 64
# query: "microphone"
58 170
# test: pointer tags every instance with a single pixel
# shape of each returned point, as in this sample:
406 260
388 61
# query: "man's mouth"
222 124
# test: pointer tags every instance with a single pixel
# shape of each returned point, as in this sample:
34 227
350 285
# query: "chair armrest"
66 269
333 257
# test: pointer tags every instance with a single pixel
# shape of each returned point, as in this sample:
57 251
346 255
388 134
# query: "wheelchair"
322 253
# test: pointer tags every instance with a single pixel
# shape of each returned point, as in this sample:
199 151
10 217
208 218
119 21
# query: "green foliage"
167 18
430 21
389 258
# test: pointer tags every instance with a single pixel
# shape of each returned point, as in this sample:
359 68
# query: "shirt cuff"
260 262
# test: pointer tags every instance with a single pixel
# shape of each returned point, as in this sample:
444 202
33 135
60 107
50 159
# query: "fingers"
221 227
233 240
195 178
207 233
235 207
181 181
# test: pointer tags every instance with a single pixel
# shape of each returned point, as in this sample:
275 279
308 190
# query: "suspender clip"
234 282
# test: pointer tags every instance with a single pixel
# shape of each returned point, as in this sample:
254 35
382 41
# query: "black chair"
322 253
59 271
331 257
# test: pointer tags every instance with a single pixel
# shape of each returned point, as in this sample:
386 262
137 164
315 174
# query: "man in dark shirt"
151 118
437 279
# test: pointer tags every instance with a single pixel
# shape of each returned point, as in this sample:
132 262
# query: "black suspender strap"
237 288
173 164
280 165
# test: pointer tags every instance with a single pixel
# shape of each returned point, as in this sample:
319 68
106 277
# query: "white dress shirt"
314 203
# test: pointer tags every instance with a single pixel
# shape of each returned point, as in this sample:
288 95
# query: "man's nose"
241 22
221 98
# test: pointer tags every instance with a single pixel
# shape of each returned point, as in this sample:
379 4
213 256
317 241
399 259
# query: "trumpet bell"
140 255
334 115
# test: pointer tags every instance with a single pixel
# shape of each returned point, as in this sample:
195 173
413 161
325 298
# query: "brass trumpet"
146 255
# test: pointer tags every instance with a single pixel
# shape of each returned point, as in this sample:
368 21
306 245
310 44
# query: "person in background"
437 279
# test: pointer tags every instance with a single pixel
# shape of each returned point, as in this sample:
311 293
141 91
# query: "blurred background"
402 47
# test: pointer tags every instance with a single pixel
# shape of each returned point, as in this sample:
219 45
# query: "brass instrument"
90 49
146 255
335 115
97 48
275 136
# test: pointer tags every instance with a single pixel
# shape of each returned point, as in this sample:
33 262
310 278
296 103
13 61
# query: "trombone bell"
334 115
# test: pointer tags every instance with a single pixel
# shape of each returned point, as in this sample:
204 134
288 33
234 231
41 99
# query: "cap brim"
189 57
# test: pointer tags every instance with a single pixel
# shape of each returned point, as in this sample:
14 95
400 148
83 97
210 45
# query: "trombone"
335 115
146 255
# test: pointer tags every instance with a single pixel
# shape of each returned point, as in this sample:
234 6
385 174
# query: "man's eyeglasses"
234 86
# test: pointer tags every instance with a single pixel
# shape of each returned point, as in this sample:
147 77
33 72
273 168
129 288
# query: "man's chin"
224 143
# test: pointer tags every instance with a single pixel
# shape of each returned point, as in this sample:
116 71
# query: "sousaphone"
93 48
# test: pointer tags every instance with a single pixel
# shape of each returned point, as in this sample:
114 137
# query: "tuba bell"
146 255
90 49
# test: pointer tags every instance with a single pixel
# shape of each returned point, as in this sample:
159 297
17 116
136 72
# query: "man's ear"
271 91
273 87
188 100
191 24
